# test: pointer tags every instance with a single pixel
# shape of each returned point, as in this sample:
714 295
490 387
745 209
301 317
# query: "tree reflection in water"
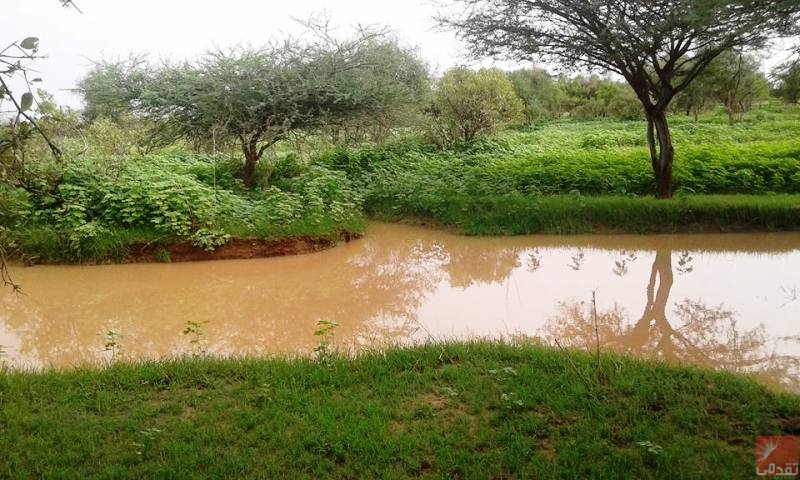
383 288
704 335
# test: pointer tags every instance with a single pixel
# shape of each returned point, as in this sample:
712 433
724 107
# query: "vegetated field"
559 177
476 410
568 177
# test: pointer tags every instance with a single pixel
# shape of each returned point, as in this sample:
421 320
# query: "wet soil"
237 248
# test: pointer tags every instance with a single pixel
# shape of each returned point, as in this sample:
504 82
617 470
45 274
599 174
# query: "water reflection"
725 301
698 333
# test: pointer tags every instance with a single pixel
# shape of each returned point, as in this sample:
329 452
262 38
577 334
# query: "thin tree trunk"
662 153
250 160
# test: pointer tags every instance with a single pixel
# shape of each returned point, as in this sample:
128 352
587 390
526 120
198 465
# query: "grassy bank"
87 211
567 214
579 177
461 411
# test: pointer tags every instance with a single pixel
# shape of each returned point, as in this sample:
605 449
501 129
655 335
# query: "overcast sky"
184 28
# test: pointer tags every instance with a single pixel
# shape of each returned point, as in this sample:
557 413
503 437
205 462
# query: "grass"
570 214
580 177
477 410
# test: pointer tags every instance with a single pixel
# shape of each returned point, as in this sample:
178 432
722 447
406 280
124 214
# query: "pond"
724 301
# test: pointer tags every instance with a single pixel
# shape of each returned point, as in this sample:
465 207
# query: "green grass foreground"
566 214
478 410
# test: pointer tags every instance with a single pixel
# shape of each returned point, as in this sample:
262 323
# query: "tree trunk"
661 152
655 310
250 161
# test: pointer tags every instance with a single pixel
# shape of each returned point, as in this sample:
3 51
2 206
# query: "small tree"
110 88
696 98
788 77
595 97
658 46
735 81
732 79
472 103
541 95
257 97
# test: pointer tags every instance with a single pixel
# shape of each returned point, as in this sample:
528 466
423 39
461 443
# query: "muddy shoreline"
235 249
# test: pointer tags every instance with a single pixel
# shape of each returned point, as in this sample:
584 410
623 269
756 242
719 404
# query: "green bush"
95 214
14 205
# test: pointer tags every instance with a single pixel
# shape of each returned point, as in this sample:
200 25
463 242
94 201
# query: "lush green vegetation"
308 137
91 211
568 177
457 411
559 177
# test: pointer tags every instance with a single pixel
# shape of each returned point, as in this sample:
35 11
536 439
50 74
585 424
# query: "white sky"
184 28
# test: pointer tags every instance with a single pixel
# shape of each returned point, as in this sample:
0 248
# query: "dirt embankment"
236 248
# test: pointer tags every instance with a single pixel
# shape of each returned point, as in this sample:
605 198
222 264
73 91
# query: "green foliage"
788 77
594 97
474 410
734 80
469 103
257 96
147 195
111 87
542 96
503 182
585 158
573 214
14 205
93 213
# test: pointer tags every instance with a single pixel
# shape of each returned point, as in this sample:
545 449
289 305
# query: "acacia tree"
387 90
258 96
658 46
736 81
542 96
109 88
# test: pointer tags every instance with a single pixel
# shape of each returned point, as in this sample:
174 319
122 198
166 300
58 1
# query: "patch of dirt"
235 249
545 447
188 413
438 402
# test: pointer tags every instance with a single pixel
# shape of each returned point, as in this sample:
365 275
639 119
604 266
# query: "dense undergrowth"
477 410
554 178
89 211
558 177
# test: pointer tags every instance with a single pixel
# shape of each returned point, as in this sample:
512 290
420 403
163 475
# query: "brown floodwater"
724 301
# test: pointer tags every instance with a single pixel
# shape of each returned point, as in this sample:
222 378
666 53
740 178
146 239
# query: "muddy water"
725 301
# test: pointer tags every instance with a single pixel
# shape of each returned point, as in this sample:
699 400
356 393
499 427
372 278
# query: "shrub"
468 103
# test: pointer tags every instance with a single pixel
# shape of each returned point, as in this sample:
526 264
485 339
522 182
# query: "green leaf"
27 101
29 43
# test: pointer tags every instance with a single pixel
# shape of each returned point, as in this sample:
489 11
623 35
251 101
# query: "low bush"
93 213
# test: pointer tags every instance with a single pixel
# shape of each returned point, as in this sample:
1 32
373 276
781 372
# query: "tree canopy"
257 96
